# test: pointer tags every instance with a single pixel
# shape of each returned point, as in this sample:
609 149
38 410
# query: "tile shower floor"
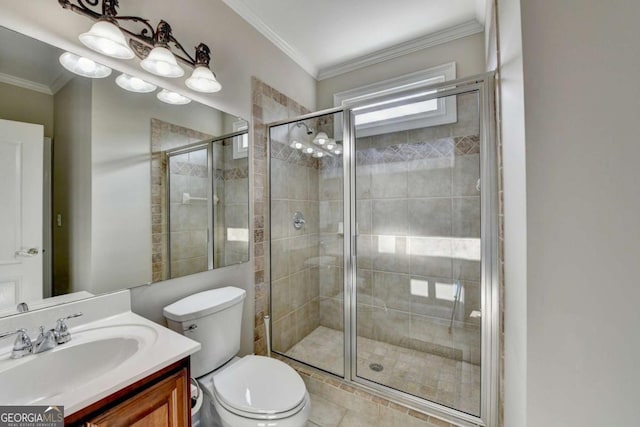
449 382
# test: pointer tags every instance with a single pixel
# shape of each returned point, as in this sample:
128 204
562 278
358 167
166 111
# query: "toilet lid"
259 385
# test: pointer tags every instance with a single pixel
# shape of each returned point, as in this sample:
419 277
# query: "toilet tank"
213 318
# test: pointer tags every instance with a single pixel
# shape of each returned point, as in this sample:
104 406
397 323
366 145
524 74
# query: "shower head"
309 129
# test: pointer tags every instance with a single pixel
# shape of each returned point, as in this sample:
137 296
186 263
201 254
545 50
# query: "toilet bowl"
252 391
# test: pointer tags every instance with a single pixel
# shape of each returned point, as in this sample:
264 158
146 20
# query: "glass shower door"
417 272
307 240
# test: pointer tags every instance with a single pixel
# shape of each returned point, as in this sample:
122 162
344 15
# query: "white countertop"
157 347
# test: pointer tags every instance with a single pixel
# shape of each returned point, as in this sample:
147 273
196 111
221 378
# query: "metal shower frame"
484 86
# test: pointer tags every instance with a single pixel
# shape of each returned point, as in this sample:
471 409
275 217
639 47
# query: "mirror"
134 190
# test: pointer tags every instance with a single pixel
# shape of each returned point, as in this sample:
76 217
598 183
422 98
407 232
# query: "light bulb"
134 84
105 37
321 138
83 66
308 150
172 97
318 154
330 146
338 152
86 65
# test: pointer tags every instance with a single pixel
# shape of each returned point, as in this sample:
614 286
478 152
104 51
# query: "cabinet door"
163 404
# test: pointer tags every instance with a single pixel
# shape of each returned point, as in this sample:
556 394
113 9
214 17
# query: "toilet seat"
258 387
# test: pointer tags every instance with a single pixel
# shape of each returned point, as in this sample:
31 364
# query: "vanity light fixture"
134 84
158 48
160 60
203 79
84 66
106 38
172 98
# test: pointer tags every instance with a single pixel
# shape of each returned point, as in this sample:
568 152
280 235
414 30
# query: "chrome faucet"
46 340
61 330
22 346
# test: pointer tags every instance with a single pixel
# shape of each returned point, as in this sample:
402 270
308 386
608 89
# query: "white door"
21 168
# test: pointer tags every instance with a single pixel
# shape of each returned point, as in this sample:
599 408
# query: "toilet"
252 391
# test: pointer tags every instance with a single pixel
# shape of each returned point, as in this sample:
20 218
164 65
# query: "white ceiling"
327 37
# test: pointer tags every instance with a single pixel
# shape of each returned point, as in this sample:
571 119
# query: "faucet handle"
61 330
22 345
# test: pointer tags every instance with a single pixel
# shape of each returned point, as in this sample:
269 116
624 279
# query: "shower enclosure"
383 256
205 207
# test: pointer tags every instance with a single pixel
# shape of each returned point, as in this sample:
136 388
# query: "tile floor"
449 382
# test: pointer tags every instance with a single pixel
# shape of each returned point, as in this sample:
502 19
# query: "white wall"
72 187
121 179
239 52
512 134
582 104
24 105
468 53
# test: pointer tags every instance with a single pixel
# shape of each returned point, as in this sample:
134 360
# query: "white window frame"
240 143
444 114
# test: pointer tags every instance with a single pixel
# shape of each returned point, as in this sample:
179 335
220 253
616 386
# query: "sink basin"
90 356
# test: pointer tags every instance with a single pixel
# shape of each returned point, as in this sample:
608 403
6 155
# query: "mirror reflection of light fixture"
134 84
159 50
106 38
321 138
84 66
172 98
295 144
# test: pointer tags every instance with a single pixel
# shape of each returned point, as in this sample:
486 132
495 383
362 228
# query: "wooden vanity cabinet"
161 399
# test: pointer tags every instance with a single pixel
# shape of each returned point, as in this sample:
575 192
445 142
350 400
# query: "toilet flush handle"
191 328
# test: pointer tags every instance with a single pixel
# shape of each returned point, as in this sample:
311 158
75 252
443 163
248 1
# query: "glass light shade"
330 146
321 138
308 150
318 154
295 144
172 97
338 152
83 66
162 62
134 84
106 38
203 80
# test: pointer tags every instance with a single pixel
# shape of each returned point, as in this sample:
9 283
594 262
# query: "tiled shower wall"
232 186
416 193
269 105
294 268
188 225
165 136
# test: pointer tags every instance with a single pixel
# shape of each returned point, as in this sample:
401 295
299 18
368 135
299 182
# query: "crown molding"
26 84
241 8
59 81
430 40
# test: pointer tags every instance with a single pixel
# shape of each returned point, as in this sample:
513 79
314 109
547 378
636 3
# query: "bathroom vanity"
161 398
117 368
